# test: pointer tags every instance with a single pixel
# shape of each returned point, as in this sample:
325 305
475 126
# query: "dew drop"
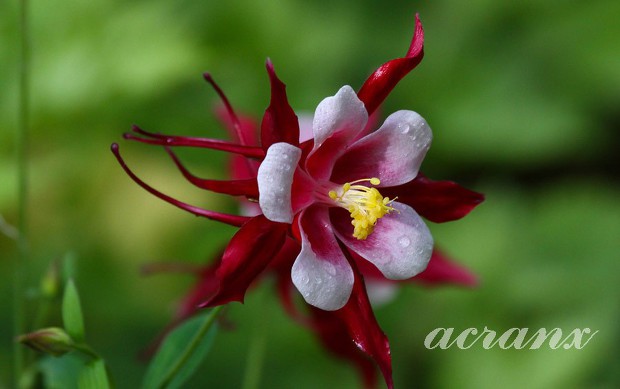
403 241
404 129
305 280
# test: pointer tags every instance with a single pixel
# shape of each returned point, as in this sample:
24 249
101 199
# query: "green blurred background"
523 98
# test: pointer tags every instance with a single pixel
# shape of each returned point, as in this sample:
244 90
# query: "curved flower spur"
341 202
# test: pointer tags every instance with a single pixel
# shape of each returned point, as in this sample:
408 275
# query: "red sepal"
333 333
379 85
362 327
437 201
249 252
280 123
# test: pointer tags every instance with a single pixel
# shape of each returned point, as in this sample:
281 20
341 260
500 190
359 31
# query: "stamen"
365 204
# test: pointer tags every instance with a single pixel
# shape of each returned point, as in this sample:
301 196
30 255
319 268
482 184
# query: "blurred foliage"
523 98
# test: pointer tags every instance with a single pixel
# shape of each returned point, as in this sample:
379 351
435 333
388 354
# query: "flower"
334 209
332 197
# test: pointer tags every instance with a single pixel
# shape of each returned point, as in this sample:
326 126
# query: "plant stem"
22 185
256 351
254 364
202 331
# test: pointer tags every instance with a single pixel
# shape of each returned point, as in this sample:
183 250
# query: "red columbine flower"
334 207
332 196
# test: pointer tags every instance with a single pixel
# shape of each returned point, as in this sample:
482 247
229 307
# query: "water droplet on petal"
403 241
404 129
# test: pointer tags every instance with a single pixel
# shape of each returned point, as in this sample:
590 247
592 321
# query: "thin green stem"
22 185
193 345
254 364
256 351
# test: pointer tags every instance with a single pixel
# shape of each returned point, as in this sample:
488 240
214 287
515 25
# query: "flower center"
365 204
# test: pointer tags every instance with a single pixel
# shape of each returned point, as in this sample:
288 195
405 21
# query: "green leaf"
182 352
72 313
94 376
60 372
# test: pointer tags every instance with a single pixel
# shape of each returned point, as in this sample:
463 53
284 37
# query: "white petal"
321 273
400 245
393 153
275 178
343 112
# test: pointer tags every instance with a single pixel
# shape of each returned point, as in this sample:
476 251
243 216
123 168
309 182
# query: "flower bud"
52 340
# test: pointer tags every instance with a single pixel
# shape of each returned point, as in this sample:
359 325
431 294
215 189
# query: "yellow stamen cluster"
365 204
